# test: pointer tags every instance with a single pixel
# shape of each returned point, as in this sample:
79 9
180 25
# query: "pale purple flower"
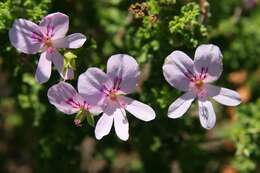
47 37
108 89
67 100
194 78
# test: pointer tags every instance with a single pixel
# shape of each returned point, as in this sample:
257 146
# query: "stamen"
199 84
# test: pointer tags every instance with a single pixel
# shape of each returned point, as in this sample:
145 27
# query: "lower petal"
68 74
43 71
65 98
224 96
207 115
103 126
121 124
138 109
181 105
57 60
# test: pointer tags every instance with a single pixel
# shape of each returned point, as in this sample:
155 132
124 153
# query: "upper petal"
55 25
224 96
178 70
26 36
209 57
181 105
64 97
72 41
121 124
43 71
91 83
207 115
138 109
124 71
103 126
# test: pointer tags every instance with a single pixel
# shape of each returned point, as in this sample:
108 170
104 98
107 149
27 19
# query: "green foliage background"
35 137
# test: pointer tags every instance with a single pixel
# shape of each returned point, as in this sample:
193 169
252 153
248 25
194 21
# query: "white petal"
181 105
43 71
103 126
209 57
121 124
224 96
207 115
138 109
178 70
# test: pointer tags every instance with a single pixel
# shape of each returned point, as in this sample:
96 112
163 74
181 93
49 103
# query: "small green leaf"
90 119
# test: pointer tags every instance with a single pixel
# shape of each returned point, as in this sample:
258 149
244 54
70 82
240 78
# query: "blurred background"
36 138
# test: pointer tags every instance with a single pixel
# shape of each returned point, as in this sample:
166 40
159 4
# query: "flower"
108 89
194 77
47 37
67 100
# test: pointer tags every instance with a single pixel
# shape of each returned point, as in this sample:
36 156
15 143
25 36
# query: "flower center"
47 42
113 96
199 84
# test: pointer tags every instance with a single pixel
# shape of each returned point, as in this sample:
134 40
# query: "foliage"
246 135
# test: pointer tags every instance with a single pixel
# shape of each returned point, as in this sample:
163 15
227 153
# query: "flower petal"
124 70
55 25
103 126
65 98
224 96
207 115
95 110
43 71
26 36
68 74
209 57
181 105
72 41
138 109
57 59
121 124
91 83
178 70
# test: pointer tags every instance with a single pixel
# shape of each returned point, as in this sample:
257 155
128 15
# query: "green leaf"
90 119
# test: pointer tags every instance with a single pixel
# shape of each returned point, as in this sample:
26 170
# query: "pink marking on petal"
37 37
105 90
117 83
73 103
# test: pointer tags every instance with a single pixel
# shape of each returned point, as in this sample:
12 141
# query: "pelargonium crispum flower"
108 91
67 100
194 78
47 37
